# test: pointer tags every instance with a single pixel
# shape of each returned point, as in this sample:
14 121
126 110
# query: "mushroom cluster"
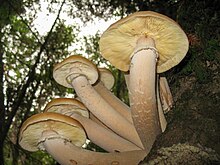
141 45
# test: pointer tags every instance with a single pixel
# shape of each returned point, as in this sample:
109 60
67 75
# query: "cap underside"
75 66
118 42
31 138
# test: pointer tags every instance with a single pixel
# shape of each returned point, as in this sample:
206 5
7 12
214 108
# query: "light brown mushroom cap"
75 66
67 106
107 78
117 44
66 128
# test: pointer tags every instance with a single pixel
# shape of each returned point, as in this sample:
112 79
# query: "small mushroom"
99 135
144 42
67 106
42 127
103 86
106 78
79 73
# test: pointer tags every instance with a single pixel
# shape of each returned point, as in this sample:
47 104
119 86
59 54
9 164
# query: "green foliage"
211 51
93 147
22 48
92 49
200 60
202 28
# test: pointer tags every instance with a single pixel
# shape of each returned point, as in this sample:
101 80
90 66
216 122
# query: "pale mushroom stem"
78 156
96 120
163 122
123 109
103 111
166 95
143 91
115 102
103 137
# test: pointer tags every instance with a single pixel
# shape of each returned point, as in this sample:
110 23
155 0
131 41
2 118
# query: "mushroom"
79 73
67 106
99 135
46 126
57 134
103 86
144 42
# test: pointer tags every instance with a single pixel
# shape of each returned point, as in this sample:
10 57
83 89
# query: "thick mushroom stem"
103 111
143 91
78 156
161 111
115 102
103 137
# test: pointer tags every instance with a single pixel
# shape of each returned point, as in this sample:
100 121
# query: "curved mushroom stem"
96 120
163 122
103 137
103 111
123 109
143 91
78 156
115 102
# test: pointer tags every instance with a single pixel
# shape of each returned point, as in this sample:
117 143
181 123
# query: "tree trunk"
2 106
1 152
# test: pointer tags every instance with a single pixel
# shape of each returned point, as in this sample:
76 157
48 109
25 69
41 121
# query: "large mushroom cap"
67 106
31 132
118 42
75 66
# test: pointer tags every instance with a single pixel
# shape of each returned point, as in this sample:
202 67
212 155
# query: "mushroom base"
75 155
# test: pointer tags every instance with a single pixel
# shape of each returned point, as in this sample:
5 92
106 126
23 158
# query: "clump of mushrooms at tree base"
142 45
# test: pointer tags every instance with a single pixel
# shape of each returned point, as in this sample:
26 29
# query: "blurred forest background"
27 58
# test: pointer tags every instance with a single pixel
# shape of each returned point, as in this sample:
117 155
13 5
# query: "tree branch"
2 105
22 19
30 76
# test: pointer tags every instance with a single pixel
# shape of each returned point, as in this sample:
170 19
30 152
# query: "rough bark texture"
195 117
